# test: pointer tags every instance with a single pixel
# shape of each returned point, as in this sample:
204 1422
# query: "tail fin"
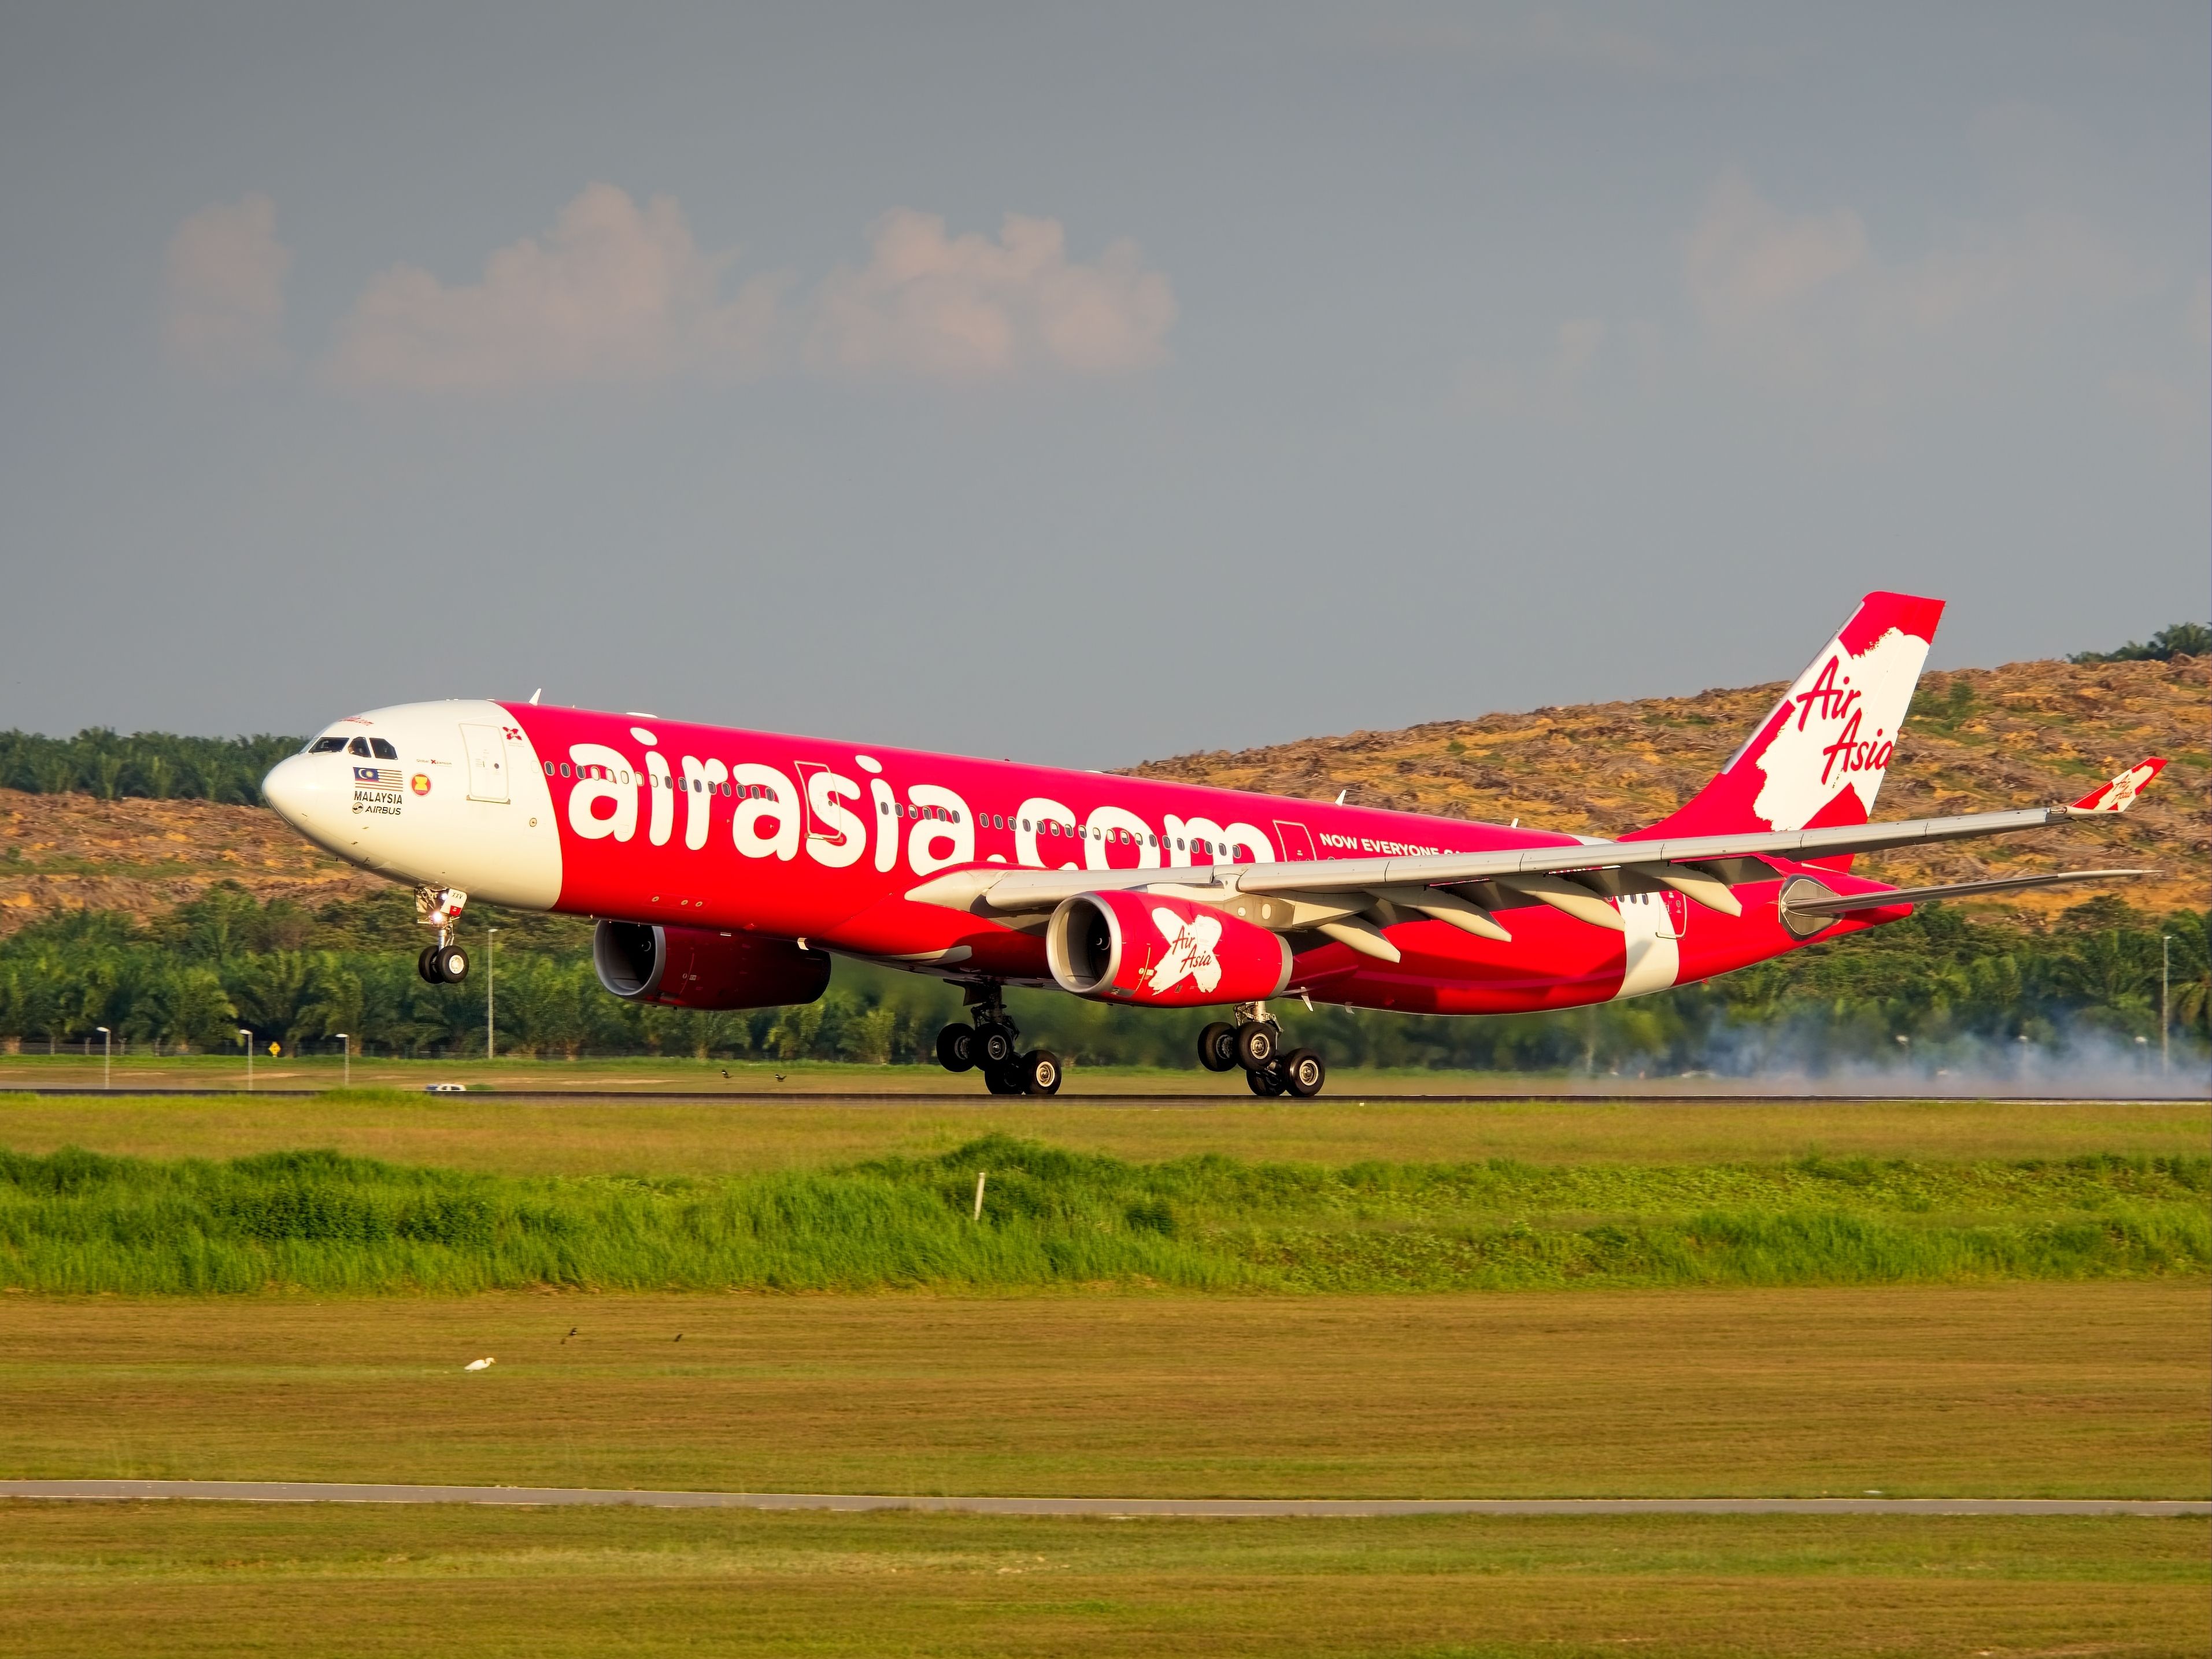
1819 758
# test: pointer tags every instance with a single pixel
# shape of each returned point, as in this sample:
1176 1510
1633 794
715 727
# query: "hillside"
1979 739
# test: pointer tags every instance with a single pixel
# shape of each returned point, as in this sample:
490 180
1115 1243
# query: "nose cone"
307 797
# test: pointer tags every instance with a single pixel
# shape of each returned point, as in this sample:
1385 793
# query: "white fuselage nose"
459 800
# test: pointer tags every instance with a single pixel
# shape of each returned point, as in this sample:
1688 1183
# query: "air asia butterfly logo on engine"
1190 953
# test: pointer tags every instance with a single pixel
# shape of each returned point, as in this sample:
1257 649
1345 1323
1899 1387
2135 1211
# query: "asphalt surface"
975 1097
311 1492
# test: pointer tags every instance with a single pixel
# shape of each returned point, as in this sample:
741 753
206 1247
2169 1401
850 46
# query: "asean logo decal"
421 783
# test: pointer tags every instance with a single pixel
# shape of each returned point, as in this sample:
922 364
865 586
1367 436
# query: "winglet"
2120 794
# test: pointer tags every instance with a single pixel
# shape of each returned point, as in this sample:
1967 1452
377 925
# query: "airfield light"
348 1042
245 1042
106 1055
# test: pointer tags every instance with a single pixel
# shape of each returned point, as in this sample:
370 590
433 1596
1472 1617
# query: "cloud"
620 293
965 308
222 291
1804 300
616 292
1547 392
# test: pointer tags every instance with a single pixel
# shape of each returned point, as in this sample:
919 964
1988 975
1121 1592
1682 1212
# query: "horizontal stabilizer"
2119 795
1841 904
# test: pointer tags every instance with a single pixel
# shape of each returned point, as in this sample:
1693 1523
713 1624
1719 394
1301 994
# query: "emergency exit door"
487 748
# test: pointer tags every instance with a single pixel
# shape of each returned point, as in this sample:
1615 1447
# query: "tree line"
155 765
1955 990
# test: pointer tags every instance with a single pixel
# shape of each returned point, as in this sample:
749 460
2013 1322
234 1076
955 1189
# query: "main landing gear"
444 963
992 1046
1255 1042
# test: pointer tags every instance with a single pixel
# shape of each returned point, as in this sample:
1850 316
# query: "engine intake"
1162 952
702 967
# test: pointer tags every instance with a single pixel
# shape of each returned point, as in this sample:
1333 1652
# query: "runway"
850 1099
311 1491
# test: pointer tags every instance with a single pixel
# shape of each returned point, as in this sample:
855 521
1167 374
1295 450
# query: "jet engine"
702 967
1161 952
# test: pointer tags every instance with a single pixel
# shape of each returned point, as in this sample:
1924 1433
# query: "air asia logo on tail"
1190 953
1838 730
1819 755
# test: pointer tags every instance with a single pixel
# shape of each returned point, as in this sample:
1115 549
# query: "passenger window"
383 749
360 746
564 769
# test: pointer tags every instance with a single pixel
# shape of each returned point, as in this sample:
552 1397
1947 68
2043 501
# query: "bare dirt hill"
1978 740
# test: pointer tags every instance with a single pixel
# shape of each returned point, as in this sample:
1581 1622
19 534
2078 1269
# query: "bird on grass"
778 1076
572 1331
484 1365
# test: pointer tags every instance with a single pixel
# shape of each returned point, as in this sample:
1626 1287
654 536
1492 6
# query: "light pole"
106 1056
348 1041
2165 994
491 980
245 1042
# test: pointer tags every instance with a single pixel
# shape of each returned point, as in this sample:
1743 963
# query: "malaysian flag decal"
377 777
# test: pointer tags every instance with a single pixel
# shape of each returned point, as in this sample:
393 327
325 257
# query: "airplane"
726 868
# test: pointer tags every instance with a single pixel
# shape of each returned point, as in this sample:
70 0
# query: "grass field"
2010 1386
704 1139
231 1579
2012 1390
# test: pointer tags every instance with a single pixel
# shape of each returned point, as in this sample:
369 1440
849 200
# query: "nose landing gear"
992 1045
444 963
1255 1042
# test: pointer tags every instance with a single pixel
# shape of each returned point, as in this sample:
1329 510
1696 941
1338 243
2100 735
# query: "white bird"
485 1363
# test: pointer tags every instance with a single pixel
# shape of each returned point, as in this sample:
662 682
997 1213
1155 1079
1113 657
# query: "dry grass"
236 1579
710 1139
2014 1390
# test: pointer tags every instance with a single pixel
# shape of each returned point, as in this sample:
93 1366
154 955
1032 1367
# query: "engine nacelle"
1162 952
701 968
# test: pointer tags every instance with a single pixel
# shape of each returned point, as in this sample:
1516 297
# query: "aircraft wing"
1346 898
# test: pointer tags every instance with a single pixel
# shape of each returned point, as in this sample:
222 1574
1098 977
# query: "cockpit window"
326 746
382 749
359 746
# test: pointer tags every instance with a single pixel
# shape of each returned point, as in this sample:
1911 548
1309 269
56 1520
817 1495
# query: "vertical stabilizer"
1819 756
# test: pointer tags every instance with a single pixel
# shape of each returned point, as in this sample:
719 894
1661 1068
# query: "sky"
1082 385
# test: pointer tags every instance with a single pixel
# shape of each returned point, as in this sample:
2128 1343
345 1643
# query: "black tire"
1001 1080
1264 1080
1304 1072
956 1047
450 963
1256 1044
1216 1047
994 1046
423 968
1040 1072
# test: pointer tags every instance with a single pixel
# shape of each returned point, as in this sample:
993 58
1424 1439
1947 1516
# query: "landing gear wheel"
956 1047
1002 1081
1216 1047
1304 1072
449 963
1266 1080
994 1045
1256 1043
1040 1071
422 967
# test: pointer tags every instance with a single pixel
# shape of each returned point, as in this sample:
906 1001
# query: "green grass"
75 1222
366 1579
